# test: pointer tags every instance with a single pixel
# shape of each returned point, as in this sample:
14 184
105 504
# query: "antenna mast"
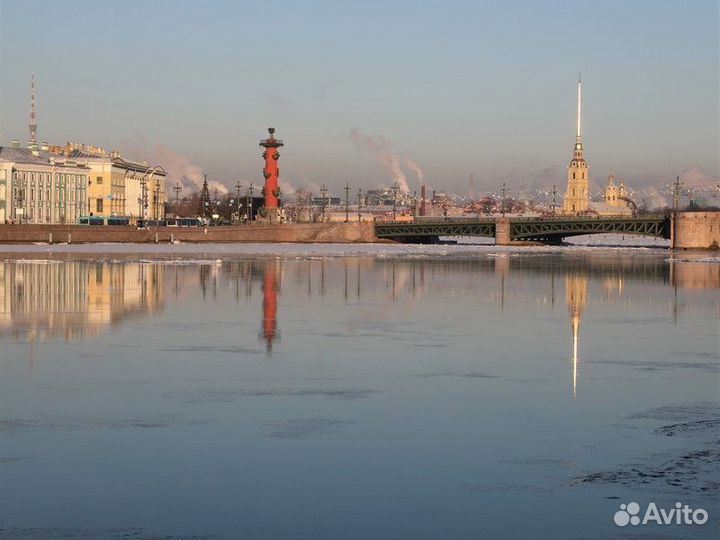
33 122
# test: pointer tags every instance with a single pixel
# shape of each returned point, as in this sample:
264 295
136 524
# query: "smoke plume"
414 167
382 150
695 177
179 167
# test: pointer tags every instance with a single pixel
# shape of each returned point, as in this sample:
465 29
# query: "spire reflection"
576 285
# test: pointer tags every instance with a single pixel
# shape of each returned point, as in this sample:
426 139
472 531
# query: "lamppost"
156 200
177 189
144 181
554 193
249 202
347 202
395 192
323 192
238 186
504 194
144 199
359 205
676 190
20 203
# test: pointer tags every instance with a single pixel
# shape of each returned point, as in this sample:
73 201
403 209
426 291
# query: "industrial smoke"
382 150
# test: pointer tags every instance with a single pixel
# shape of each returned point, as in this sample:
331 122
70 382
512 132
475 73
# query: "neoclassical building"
39 187
119 187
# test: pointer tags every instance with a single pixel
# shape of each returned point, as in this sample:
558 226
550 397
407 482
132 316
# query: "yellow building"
615 195
120 187
577 196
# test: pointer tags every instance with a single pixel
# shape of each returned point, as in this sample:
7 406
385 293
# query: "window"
99 180
573 176
98 205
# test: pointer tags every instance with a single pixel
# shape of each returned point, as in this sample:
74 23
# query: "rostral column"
271 172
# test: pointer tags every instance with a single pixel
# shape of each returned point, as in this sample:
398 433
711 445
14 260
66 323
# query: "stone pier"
502 232
333 233
695 230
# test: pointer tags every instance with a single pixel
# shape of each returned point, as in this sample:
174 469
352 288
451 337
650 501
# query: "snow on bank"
464 248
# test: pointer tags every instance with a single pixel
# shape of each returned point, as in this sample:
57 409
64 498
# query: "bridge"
520 229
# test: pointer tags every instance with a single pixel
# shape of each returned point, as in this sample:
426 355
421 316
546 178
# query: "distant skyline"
364 92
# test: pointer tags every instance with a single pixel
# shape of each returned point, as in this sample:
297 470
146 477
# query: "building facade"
39 187
615 195
119 187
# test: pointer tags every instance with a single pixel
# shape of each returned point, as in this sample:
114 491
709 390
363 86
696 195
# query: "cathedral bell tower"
577 196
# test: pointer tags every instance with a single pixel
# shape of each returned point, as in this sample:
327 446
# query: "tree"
205 199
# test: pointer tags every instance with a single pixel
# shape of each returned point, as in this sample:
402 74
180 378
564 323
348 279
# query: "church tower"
577 196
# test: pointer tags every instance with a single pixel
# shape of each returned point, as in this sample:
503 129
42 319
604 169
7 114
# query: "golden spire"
578 135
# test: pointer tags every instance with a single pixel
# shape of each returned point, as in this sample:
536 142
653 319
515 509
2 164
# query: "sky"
369 92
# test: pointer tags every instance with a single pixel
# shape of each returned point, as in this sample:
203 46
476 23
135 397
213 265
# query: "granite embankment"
341 233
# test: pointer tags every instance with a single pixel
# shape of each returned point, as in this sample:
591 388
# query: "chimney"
45 146
16 143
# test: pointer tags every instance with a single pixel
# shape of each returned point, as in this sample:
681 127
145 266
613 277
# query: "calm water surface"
493 394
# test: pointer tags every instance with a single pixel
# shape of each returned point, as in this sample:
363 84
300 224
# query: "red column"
271 171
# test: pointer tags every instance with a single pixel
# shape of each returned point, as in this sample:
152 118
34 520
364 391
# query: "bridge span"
508 230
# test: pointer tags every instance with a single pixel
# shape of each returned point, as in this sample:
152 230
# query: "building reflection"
79 299
74 299
576 289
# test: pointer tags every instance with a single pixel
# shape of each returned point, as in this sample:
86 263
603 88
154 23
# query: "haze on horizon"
357 90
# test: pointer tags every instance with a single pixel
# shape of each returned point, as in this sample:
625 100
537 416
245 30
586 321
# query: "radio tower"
33 122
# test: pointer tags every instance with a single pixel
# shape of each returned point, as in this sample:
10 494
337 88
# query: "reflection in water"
80 298
41 299
576 286
444 365
269 308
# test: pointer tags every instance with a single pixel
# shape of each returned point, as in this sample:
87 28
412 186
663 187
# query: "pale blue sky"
459 87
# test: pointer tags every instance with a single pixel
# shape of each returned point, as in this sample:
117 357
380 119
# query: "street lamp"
249 202
347 202
237 188
177 189
144 181
677 188
504 194
359 205
323 192
395 192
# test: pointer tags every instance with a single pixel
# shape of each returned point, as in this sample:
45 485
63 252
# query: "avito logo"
681 514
